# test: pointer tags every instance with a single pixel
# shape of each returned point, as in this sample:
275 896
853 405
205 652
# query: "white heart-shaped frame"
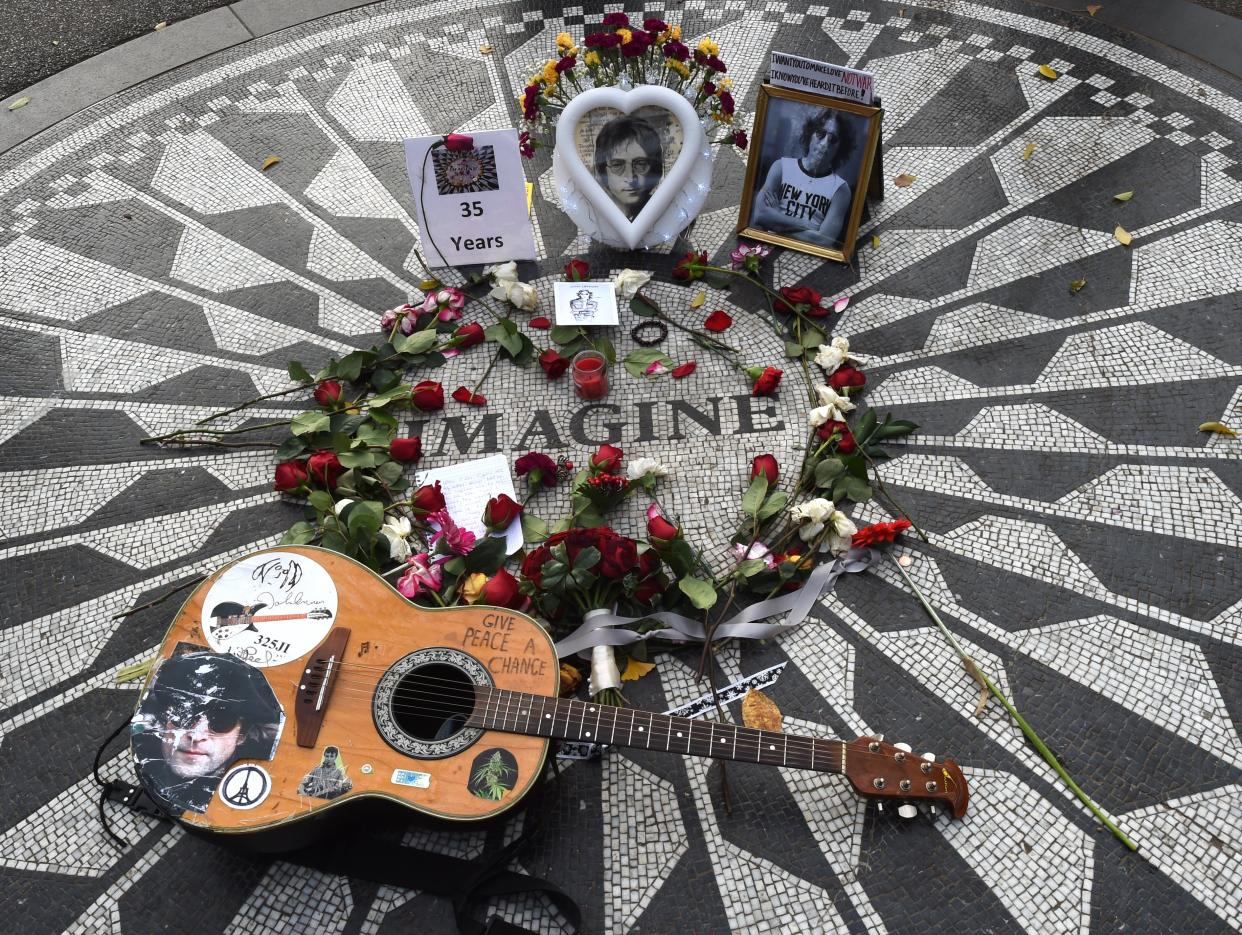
674 203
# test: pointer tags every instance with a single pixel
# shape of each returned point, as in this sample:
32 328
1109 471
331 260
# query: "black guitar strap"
465 882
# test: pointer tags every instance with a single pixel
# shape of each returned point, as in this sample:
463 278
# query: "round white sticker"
270 608
244 787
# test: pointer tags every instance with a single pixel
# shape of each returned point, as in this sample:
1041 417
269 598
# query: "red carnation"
616 20
540 467
602 40
766 382
566 64
501 590
463 395
877 533
739 139
800 295
328 393
468 335
553 364
427 499
406 449
606 460
500 512
684 370
847 376
654 25
325 468
577 270
845 444
726 100
767 466
291 475
427 395
458 142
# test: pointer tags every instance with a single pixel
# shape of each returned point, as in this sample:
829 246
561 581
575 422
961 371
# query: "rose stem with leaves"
1033 737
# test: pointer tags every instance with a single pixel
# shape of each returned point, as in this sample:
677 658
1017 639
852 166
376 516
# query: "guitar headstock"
892 772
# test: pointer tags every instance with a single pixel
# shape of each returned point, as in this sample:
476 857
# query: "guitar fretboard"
570 719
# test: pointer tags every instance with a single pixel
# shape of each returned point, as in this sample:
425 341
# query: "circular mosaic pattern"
1083 536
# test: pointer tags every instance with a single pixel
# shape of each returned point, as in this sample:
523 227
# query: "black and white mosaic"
1084 537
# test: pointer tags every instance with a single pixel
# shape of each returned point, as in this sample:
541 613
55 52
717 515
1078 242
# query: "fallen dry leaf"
20 102
55 42
699 298
1219 428
1048 72
269 162
1028 152
486 48
1077 284
875 241
1123 236
634 670
427 284
571 678
1093 8
760 711
161 25
905 180
1123 196
984 694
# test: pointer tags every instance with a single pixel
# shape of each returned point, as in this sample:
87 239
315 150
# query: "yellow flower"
679 67
707 47
550 74
674 32
721 117
591 60
625 35
724 84
472 587
564 41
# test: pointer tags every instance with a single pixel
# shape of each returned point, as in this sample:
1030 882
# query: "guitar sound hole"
432 702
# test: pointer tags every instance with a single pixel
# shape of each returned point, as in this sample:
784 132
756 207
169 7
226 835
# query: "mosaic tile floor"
1084 537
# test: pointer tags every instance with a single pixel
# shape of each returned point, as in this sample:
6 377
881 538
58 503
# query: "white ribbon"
604 671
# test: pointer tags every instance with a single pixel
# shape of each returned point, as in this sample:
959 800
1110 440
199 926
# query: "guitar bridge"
315 687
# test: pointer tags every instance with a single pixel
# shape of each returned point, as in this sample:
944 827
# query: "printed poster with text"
471 204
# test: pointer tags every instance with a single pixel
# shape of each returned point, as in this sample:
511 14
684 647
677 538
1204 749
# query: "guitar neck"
269 618
570 719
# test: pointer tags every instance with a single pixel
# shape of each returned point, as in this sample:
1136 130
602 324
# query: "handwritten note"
468 486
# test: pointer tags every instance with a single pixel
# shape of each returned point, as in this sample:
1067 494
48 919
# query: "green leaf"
637 361
415 343
455 566
298 534
380 400
298 372
794 349
753 498
389 472
607 348
702 595
895 429
321 500
851 488
290 448
865 427
350 367
346 423
563 334
587 558
752 566
359 459
383 418
813 337
308 423
364 520
827 471
773 505
534 529
642 308
384 379
336 542
487 555
679 556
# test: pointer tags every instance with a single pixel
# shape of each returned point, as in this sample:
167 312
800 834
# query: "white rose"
841 531
520 294
396 531
502 272
641 467
629 281
832 407
832 356
811 516
818 417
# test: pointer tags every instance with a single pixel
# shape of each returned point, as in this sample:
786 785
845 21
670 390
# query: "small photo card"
472 205
586 303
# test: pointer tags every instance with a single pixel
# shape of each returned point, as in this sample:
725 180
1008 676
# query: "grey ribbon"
610 629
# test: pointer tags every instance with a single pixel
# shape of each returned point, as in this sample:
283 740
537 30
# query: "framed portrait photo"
806 179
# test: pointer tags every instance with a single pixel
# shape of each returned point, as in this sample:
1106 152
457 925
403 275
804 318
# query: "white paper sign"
471 206
586 303
806 74
468 486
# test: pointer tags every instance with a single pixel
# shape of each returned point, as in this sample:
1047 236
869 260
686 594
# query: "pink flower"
757 550
748 256
406 314
654 368
456 540
446 302
422 574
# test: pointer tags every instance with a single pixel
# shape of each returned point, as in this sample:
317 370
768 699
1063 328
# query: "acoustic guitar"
343 691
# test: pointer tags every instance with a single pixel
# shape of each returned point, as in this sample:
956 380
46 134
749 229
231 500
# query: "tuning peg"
903 746
929 757
879 736
907 810
933 811
879 807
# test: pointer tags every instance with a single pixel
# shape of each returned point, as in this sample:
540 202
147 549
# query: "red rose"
328 393
291 475
553 364
459 142
463 395
577 270
691 266
619 557
661 530
606 460
427 395
845 444
325 468
767 466
468 335
800 295
648 589
847 376
684 370
406 449
540 467
500 512
427 499
648 563
739 139
718 320
541 322
532 565
767 382
501 590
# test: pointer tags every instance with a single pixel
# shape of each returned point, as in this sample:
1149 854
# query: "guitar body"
340 690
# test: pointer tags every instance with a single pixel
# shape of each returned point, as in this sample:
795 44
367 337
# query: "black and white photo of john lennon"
809 171
629 154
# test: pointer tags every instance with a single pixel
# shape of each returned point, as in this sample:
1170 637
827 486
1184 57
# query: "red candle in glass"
590 372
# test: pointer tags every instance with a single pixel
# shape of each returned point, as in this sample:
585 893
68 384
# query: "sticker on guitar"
270 608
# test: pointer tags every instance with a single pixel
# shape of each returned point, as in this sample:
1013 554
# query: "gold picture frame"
794 208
